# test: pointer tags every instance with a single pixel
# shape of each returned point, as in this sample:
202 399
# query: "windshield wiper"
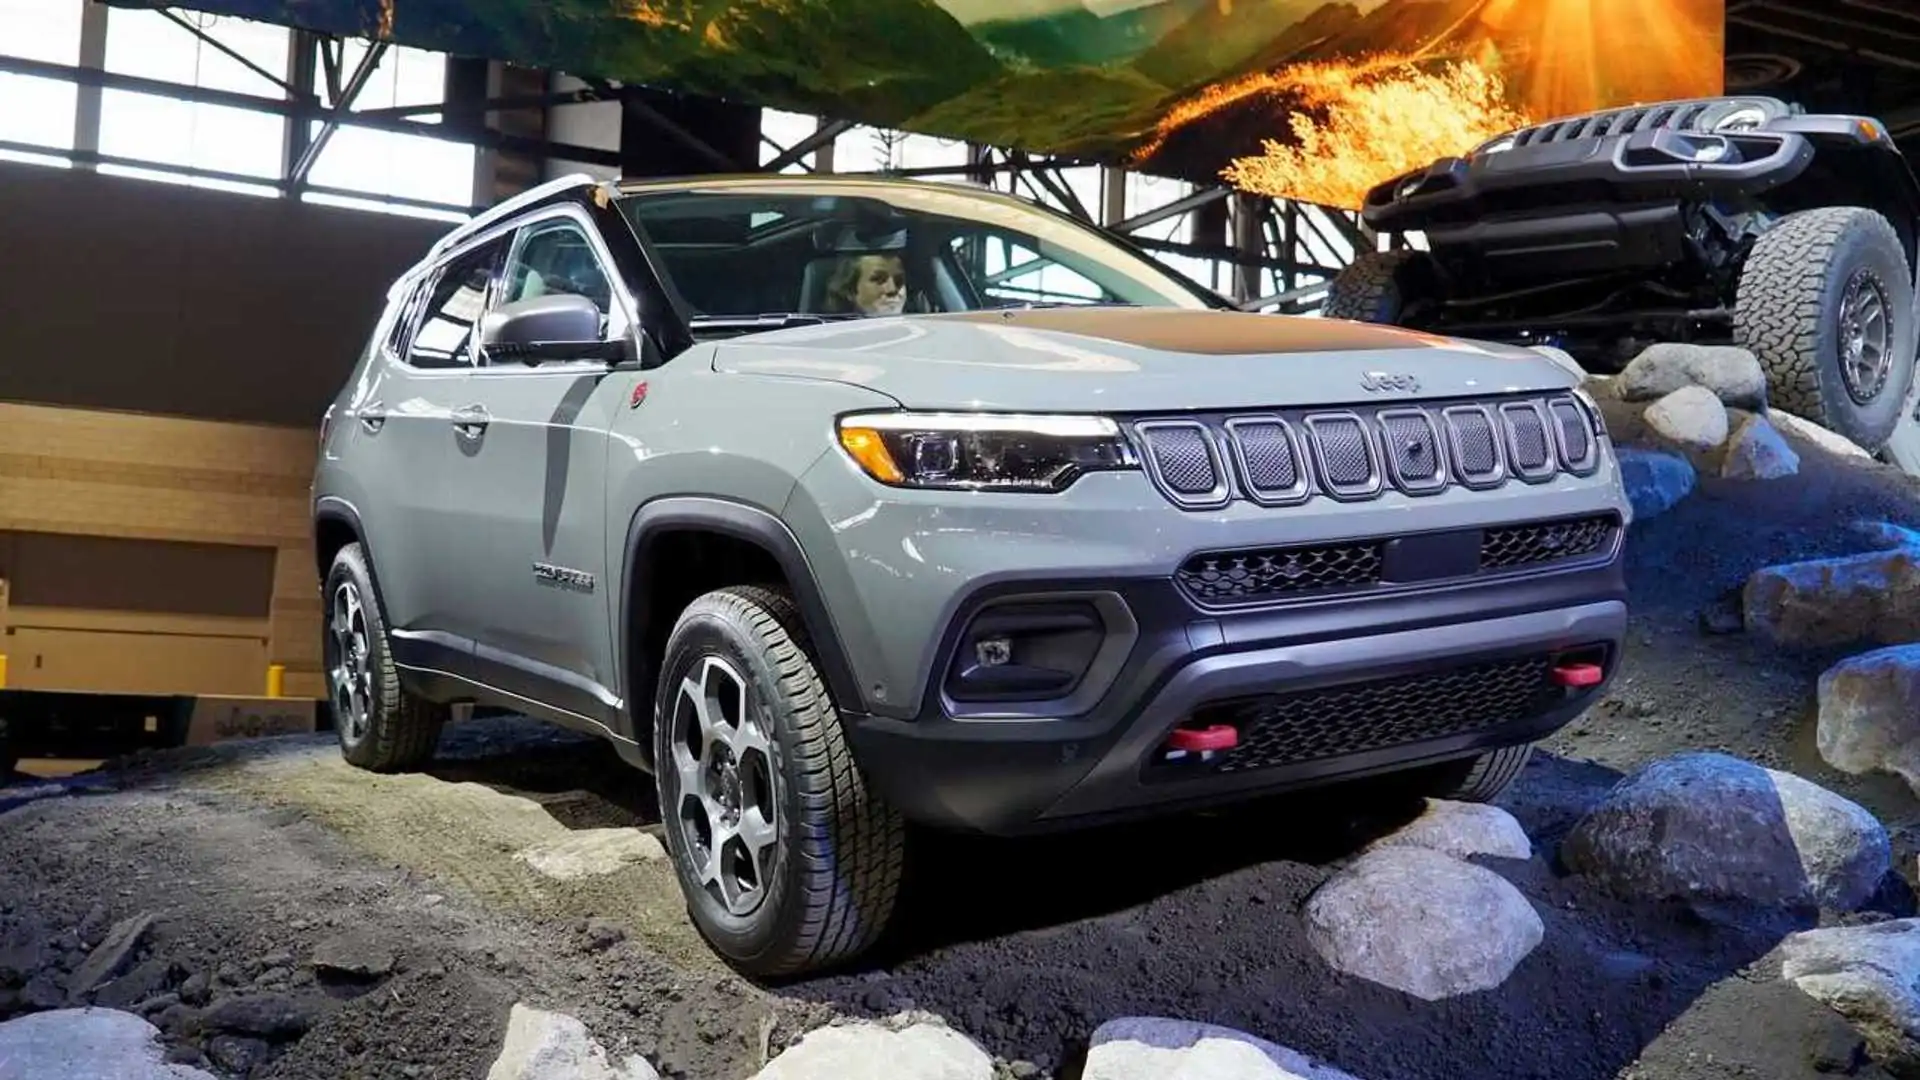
776 320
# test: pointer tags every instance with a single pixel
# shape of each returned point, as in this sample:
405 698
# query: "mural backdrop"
1301 98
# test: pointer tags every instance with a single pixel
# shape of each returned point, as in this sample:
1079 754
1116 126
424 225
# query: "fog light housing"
1025 651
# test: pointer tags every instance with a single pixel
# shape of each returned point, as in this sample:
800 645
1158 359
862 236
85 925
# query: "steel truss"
1279 253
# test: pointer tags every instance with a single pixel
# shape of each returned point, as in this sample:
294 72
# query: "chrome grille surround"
1285 457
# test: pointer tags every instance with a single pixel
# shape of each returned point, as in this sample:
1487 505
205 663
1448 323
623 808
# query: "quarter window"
454 308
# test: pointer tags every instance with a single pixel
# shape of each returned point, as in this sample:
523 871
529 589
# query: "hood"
1138 360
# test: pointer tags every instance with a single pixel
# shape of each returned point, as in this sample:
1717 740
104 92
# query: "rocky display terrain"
1709 876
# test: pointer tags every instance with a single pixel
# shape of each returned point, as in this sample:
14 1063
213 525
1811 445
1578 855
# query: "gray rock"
355 955
86 1044
237 1054
592 853
1421 922
43 992
925 1050
1854 599
1691 417
1153 1048
110 958
196 989
1731 374
271 1016
141 983
1870 713
1825 438
1757 452
1870 975
1655 480
544 1045
1710 828
1886 536
1463 830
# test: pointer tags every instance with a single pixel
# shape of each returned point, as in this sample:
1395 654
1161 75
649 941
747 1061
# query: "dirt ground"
252 857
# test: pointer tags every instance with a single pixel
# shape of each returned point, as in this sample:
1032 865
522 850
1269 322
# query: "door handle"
373 416
471 422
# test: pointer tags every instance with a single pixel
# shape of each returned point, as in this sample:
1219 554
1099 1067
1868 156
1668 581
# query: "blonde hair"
845 280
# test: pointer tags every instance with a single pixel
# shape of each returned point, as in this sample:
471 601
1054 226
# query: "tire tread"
1368 289
405 730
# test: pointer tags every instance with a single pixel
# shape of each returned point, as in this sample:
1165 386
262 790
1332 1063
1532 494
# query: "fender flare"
742 522
335 508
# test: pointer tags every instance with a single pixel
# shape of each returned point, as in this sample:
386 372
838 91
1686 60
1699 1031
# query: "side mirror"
560 326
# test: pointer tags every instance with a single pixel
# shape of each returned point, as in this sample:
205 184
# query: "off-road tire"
1786 312
1481 779
1373 288
402 730
842 847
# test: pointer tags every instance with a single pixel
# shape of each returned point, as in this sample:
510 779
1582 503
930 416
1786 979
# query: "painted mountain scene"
1309 99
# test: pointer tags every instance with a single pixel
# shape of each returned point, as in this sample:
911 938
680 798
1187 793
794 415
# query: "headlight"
1745 118
983 451
1499 145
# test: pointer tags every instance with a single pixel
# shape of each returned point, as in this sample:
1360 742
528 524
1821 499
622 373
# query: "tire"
827 884
1788 313
383 728
1481 779
1373 288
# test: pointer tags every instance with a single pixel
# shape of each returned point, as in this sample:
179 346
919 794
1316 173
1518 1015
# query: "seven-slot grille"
1287 457
1334 721
1675 116
1269 575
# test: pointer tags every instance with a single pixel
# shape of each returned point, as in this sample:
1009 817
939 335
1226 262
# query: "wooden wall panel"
238 493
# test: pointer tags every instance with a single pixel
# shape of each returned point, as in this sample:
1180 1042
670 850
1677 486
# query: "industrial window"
228 144
378 166
37 112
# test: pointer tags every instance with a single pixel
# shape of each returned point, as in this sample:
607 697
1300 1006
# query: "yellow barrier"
3 671
276 679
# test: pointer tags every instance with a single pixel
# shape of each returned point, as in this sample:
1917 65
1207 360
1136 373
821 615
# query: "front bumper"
1012 774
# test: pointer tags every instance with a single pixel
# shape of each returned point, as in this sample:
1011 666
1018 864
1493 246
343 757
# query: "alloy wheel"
350 669
727 785
1866 335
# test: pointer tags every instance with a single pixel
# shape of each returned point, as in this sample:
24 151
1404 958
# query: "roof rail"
516 203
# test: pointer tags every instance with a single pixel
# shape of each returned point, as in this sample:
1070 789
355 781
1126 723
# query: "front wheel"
1825 301
788 860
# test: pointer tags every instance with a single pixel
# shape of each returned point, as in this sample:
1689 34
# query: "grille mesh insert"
1544 542
1313 725
1268 453
1236 576
1181 454
1343 450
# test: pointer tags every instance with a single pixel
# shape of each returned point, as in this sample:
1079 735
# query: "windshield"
840 249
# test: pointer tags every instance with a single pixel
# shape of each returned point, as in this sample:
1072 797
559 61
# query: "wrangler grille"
1676 116
1313 725
1274 459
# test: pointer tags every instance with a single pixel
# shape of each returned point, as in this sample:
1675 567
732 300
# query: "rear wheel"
1377 287
380 726
788 860
1825 302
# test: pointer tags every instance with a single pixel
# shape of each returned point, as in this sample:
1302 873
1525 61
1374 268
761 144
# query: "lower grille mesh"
1256 575
1311 725
1548 541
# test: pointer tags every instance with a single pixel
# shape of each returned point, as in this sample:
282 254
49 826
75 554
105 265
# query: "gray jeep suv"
840 504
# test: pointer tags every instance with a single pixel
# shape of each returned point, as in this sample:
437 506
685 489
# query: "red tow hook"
1204 742
1578 676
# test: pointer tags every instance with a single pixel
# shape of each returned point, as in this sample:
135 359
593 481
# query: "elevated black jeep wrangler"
1737 220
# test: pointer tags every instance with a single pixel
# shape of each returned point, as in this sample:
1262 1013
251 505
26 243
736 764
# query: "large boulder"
1870 975
1421 922
1870 713
1853 599
1731 374
1655 480
903 1049
1153 1048
1758 452
1690 417
86 1044
1711 827
1463 830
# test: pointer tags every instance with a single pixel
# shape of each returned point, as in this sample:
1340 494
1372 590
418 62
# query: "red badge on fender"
639 395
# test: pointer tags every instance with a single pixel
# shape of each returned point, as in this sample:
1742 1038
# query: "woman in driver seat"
868 284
